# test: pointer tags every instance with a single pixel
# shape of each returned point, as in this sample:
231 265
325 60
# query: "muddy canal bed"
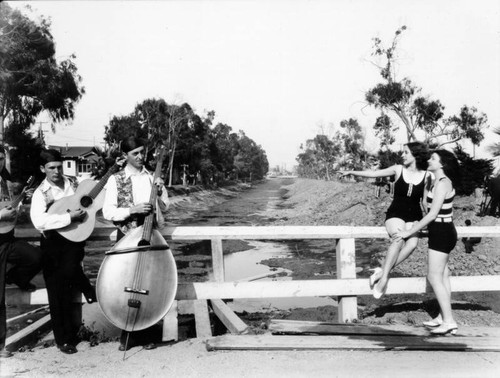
294 259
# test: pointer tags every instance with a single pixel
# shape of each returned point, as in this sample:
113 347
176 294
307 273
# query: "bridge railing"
346 286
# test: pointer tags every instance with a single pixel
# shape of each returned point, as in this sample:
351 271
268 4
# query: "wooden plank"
16 296
283 326
15 341
400 343
217 259
27 314
171 324
303 232
290 289
202 319
346 268
232 322
99 233
262 275
318 288
268 232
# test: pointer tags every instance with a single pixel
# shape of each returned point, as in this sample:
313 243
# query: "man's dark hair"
46 156
131 143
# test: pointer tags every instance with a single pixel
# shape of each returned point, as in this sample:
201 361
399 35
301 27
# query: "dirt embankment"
312 202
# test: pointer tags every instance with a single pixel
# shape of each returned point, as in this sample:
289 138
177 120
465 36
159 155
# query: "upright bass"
137 280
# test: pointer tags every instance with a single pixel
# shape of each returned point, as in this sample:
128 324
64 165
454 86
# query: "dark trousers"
26 263
64 276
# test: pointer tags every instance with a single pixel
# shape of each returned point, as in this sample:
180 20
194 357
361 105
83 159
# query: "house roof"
75 151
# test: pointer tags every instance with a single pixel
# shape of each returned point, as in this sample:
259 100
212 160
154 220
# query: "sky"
280 71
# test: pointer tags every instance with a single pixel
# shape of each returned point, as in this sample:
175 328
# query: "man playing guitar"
62 269
24 258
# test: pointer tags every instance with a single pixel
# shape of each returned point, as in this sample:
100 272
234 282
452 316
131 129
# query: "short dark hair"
451 167
420 152
131 143
46 156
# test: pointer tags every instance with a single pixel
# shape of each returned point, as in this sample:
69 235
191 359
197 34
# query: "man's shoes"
29 287
150 346
26 287
121 348
4 353
67 348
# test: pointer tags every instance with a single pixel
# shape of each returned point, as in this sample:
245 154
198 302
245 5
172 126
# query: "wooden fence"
346 286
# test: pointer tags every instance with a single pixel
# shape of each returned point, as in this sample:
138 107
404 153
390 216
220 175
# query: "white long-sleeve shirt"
141 191
38 212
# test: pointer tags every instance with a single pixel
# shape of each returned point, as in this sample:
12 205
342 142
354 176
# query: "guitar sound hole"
86 201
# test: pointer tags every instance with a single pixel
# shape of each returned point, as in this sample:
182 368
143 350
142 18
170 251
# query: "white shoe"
377 294
436 322
444 329
376 275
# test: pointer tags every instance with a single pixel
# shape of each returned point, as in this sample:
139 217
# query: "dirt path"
191 359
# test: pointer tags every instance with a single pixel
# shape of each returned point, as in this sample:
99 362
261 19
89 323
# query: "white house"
78 161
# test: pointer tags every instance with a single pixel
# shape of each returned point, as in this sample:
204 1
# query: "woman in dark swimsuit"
442 235
404 210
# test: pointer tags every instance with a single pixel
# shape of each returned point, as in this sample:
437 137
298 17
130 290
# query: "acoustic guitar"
89 196
8 225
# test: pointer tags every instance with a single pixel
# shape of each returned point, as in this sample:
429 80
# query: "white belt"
444 220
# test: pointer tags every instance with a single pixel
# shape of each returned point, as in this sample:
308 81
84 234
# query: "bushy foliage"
474 172
389 158
207 155
322 155
32 81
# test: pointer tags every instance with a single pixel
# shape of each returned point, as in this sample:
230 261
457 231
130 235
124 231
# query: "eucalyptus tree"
32 80
320 157
402 98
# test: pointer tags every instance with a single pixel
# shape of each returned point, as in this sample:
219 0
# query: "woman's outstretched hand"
343 174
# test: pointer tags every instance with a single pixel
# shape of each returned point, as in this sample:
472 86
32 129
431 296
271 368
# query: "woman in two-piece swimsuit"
405 208
442 235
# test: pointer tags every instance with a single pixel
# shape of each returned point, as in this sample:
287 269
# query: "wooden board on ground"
299 327
171 324
202 319
16 340
232 322
400 343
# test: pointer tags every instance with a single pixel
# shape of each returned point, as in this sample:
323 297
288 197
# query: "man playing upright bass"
126 202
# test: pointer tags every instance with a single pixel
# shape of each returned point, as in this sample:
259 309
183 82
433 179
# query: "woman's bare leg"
438 276
392 225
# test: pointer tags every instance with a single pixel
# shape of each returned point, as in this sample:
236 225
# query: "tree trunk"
171 164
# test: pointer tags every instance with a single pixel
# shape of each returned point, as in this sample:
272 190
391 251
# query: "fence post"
346 268
217 259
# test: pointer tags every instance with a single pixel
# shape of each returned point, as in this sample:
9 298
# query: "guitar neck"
100 185
149 221
18 199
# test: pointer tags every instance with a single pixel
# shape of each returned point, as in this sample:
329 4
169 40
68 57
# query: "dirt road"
191 359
